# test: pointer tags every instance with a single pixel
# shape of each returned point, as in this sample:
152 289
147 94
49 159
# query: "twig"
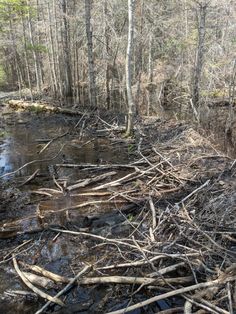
30 178
88 181
17 248
154 219
193 192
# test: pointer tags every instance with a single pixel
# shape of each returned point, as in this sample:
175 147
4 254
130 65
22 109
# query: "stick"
113 279
33 288
48 274
32 162
16 248
67 287
30 178
193 192
173 293
114 183
91 180
154 219
126 244
51 141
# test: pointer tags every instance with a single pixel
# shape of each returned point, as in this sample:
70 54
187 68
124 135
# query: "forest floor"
145 223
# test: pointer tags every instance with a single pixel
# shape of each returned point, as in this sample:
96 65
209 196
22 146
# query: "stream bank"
143 213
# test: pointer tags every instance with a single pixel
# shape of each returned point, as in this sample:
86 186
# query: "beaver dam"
92 222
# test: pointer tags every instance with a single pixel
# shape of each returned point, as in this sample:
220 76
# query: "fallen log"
20 104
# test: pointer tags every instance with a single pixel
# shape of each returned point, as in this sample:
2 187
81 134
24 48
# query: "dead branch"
30 178
33 288
88 181
174 293
67 287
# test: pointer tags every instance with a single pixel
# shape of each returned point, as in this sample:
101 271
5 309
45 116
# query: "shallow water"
24 136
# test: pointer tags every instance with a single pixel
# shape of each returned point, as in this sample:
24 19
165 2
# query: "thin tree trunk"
91 71
41 78
66 40
199 53
27 60
107 52
35 57
58 62
150 74
18 71
139 55
53 58
131 107
50 61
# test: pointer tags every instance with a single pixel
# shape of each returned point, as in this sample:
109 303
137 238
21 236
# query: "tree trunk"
91 71
36 63
131 108
66 40
26 59
199 53
52 57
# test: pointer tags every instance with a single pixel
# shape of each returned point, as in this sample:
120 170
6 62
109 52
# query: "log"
42 107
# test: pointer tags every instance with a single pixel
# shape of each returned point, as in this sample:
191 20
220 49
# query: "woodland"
117 156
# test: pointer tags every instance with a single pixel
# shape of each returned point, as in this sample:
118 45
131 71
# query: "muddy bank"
149 216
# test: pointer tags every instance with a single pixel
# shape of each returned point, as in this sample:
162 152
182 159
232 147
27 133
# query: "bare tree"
131 107
91 71
202 11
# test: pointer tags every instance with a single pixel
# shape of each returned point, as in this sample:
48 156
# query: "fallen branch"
32 162
88 181
33 288
174 293
68 286
30 178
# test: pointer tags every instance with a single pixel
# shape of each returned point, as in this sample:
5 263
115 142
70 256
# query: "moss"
215 93
3 134
36 109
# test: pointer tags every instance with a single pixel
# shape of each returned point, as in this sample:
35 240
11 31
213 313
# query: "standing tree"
202 11
91 71
131 108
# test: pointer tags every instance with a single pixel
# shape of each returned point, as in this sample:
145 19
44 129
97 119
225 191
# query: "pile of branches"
180 235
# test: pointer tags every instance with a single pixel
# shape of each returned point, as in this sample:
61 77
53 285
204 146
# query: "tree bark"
66 40
35 57
91 71
199 53
131 107
107 40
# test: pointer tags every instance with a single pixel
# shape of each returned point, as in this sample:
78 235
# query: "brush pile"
161 227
